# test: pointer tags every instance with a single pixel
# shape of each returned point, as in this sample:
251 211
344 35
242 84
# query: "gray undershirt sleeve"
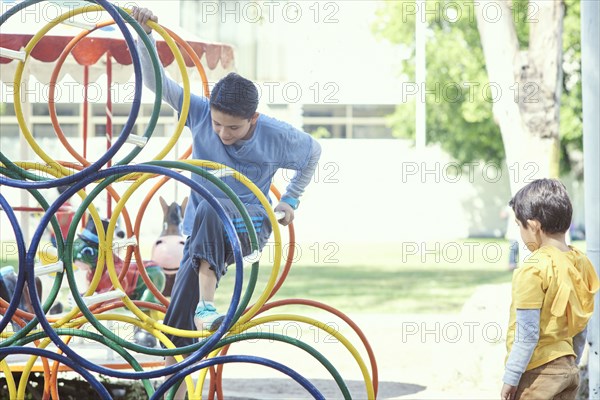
527 335
302 178
172 92
579 344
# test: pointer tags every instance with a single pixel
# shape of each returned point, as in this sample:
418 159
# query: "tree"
464 106
529 121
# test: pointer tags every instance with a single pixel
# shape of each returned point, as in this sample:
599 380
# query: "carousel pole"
86 122
109 127
86 82
25 155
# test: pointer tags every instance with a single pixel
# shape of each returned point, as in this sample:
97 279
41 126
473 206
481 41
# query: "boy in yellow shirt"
552 299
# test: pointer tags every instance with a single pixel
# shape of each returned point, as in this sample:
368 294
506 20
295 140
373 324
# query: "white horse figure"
168 248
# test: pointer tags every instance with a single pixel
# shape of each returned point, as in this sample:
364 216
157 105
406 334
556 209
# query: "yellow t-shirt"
562 285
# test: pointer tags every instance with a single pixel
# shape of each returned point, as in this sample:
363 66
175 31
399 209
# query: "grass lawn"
433 277
405 289
437 278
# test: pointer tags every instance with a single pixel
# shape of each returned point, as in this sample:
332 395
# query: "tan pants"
558 379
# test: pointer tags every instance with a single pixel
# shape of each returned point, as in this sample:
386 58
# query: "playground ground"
437 328
441 335
419 356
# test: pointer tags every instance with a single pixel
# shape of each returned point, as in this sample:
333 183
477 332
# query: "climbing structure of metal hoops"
41 341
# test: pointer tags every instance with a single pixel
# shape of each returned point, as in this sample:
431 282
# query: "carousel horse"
168 248
85 257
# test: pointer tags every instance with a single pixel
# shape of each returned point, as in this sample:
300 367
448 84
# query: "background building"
316 63
318 66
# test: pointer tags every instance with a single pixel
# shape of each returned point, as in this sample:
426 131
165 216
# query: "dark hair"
235 95
544 200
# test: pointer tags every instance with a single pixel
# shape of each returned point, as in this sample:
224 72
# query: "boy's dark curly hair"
544 200
235 95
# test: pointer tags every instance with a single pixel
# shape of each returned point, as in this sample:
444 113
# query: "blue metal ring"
162 389
127 128
14 302
210 343
102 391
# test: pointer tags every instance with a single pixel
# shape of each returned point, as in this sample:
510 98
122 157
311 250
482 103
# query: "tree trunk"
527 84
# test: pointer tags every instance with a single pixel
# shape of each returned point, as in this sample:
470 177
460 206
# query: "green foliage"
457 95
320 132
523 16
459 108
571 112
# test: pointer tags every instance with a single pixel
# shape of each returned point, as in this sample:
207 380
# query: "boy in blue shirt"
228 130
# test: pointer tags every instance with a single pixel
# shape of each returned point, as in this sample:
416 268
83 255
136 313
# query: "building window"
7 109
325 131
118 110
371 132
10 130
47 130
372 110
100 129
165 110
359 121
324 111
62 109
71 120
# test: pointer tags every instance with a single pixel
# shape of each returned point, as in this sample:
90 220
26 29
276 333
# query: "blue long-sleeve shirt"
273 145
